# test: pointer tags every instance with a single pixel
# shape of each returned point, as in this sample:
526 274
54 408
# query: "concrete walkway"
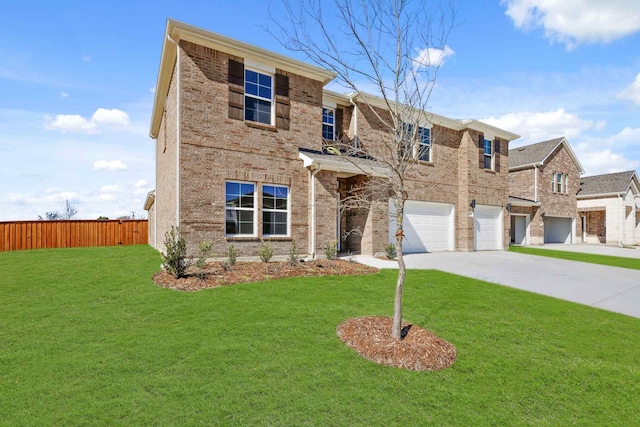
610 288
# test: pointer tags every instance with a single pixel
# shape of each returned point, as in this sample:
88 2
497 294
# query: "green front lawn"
86 338
612 261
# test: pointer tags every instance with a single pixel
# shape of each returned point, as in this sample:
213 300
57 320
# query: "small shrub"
174 256
390 251
232 255
293 258
331 250
265 251
204 251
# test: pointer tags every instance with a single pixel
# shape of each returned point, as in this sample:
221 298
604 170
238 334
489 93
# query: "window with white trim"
275 210
328 124
560 183
488 154
240 208
258 97
424 144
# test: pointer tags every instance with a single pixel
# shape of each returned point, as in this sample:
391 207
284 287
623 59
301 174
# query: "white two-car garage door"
487 228
557 230
428 226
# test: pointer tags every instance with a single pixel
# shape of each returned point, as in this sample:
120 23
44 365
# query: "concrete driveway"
610 288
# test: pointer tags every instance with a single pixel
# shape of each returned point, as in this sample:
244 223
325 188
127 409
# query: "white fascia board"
330 98
527 166
244 50
150 199
593 196
490 129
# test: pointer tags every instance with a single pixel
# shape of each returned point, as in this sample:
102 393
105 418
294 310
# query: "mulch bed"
419 350
216 275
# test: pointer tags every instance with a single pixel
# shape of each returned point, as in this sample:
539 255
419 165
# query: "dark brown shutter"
496 148
236 90
283 106
481 150
339 117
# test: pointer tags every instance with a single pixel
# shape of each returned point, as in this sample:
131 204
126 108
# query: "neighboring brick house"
543 181
609 208
241 155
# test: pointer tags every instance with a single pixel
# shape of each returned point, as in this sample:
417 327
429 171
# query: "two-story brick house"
241 136
543 181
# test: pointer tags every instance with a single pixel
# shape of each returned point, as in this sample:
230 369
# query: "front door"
519 227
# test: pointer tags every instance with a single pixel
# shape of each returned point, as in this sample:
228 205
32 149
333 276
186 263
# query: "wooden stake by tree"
393 48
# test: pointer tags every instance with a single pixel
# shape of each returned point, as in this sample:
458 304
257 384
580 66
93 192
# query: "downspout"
535 183
355 123
177 129
312 239
619 229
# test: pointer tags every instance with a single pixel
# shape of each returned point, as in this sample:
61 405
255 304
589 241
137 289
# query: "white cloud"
631 92
603 161
64 95
109 165
110 117
75 123
541 126
106 197
70 123
110 189
431 57
577 21
141 183
86 58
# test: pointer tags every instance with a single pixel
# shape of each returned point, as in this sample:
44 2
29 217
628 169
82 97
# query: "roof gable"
537 154
608 184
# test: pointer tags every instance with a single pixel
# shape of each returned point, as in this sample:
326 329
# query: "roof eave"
342 166
590 196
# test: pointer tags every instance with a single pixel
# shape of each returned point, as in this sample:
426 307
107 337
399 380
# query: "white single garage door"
557 230
487 230
428 226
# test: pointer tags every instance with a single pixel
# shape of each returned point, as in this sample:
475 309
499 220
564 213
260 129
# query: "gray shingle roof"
605 184
534 153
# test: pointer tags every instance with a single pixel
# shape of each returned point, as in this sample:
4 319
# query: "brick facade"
206 144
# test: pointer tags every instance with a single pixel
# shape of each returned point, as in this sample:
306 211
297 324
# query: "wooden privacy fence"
18 235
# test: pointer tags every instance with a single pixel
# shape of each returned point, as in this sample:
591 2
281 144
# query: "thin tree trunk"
396 328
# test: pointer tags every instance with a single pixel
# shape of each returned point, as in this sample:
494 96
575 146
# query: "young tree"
393 48
69 210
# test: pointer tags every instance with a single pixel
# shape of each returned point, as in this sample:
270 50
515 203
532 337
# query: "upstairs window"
328 124
258 97
560 183
488 154
424 144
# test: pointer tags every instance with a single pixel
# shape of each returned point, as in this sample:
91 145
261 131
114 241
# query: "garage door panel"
487 228
557 230
428 227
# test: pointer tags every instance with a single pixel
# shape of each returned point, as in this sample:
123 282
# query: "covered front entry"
519 225
487 228
428 226
557 230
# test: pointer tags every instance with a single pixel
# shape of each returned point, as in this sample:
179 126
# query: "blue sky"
77 81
